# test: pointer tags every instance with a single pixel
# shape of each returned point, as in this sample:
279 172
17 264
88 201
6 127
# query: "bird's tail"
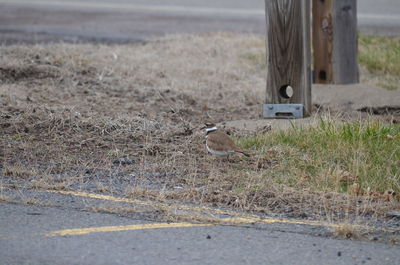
242 152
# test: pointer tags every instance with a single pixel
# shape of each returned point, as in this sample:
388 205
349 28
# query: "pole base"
283 111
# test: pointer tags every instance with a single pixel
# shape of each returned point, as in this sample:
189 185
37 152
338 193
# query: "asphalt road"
60 234
33 21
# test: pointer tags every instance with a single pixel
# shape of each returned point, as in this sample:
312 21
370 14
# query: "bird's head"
209 126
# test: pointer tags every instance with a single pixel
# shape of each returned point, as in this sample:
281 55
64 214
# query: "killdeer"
218 143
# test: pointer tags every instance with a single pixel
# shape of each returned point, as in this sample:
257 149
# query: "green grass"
379 55
257 58
317 157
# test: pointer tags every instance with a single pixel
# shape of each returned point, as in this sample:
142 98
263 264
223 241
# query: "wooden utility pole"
335 41
288 56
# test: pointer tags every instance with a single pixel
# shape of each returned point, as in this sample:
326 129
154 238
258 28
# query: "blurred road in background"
32 21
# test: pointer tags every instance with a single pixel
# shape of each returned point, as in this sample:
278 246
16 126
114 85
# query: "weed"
347 232
102 188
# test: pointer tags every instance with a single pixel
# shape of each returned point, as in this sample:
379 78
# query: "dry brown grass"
115 210
19 171
4 198
69 111
346 231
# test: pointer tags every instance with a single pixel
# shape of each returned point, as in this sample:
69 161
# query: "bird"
218 143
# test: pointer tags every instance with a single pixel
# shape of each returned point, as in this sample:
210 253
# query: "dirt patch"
68 112
33 72
385 110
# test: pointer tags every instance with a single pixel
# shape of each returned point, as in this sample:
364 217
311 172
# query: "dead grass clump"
4 198
347 231
49 184
115 210
19 172
30 201
32 72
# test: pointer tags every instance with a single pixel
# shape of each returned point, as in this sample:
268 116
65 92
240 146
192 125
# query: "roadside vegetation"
380 56
125 119
355 157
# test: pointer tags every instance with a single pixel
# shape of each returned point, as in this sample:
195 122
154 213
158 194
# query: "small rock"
393 214
208 237
339 253
123 161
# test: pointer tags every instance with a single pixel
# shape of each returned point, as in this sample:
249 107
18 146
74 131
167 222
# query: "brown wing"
219 141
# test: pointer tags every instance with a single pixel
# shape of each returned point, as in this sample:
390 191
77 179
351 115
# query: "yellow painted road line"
147 203
153 204
237 218
117 228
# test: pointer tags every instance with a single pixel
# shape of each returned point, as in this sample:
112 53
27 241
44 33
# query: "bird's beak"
202 128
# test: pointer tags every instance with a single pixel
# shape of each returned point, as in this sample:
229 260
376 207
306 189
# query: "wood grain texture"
335 41
345 65
322 41
288 51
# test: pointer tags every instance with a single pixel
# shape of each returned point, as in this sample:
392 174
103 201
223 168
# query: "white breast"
219 153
